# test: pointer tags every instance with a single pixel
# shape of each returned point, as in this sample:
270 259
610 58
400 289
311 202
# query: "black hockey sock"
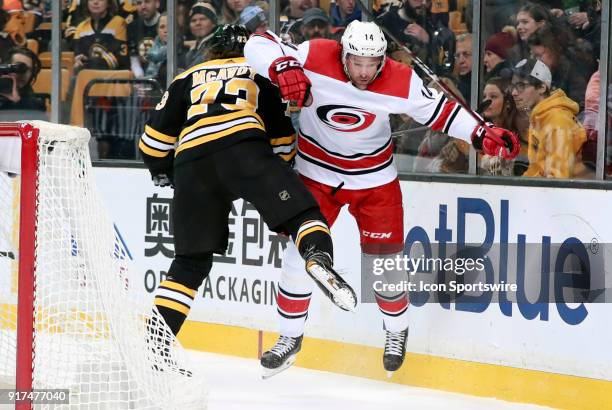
175 295
311 234
173 301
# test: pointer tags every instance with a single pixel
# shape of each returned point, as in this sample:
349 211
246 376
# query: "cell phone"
571 10
6 85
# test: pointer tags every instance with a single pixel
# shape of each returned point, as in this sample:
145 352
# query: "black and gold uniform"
76 12
104 44
220 131
212 106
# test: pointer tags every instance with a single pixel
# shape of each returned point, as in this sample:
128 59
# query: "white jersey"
345 135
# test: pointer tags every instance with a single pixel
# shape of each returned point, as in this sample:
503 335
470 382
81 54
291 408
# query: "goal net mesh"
94 333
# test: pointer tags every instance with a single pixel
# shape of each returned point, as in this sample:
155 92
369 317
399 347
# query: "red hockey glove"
288 74
496 141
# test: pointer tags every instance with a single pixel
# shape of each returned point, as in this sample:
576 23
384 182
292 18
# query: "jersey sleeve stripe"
266 36
152 151
436 111
451 119
288 157
158 135
283 140
447 110
283 149
156 144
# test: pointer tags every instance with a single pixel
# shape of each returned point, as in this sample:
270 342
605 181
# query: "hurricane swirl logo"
345 118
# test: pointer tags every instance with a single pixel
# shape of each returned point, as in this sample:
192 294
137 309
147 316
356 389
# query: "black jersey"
105 45
212 106
75 13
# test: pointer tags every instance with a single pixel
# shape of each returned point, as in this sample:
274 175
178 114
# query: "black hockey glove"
163 180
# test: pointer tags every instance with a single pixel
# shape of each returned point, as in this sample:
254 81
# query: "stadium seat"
32 45
101 90
43 83
67 60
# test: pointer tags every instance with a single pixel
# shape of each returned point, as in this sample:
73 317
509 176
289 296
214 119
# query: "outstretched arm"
441 113
282 63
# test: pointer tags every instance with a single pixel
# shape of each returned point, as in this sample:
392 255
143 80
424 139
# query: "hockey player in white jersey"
345 157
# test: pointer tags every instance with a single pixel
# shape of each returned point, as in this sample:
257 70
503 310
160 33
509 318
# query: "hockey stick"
446 89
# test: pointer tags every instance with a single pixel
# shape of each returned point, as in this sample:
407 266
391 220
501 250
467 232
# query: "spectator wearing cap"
555 138
342 12
202 23
254 19
497 53
315 24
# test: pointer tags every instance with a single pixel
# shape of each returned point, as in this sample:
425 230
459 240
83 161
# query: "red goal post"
69 318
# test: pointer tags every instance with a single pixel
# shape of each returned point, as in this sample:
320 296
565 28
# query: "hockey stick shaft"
434 77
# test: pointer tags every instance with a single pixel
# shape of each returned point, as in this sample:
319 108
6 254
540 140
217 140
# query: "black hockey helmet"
229 40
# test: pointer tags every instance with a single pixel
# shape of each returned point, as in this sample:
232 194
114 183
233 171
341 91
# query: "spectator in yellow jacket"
555 136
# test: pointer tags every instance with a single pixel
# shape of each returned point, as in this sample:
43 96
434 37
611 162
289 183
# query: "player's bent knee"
190 271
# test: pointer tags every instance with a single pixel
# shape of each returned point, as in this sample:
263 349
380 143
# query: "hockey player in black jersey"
220 133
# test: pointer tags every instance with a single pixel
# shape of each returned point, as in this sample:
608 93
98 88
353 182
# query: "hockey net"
69 316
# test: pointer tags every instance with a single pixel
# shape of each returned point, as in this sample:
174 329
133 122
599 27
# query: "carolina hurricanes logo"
345 118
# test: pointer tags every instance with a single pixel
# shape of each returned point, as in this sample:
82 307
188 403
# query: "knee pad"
191 270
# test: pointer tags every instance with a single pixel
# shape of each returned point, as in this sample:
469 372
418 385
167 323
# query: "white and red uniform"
345 138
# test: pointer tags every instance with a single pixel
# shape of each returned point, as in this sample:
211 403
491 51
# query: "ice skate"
395 350
318 266
159 353
281 356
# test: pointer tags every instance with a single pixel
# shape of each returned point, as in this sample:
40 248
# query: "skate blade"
343 296
267 373
345 299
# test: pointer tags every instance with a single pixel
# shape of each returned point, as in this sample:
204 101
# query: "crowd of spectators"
562 35
552 105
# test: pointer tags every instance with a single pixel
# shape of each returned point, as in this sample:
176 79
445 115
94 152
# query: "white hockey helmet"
363 39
